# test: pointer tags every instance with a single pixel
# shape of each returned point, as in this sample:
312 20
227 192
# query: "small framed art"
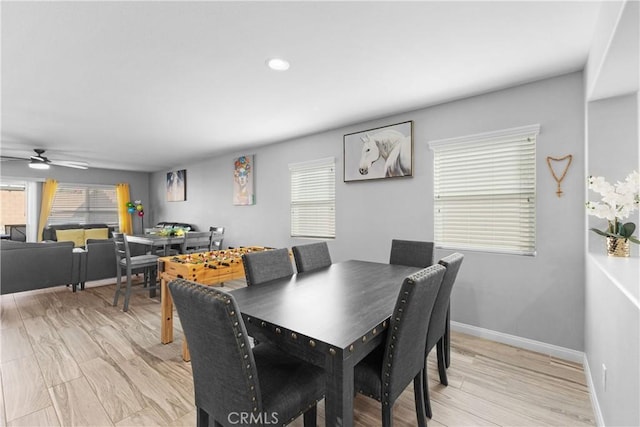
177 186
243 170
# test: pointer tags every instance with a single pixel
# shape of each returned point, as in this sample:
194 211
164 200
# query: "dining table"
332 317
156 241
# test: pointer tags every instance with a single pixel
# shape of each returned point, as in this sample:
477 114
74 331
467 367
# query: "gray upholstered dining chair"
311 257
388 370
438 323
125 261
196 241
412 253
231 379
263 266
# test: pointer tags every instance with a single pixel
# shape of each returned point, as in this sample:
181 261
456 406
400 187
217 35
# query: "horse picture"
379 153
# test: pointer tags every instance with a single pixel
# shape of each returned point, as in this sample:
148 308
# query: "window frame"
323 231
522 197
56 220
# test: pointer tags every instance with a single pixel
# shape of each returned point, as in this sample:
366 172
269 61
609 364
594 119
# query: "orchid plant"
618 202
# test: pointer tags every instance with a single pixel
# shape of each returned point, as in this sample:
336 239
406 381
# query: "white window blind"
84 204
313 198
485 191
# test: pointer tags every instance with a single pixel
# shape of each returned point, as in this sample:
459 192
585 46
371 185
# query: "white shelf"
623 272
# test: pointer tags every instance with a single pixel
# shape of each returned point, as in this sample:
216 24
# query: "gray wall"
612 328
540 298
138 181
612 313
613 152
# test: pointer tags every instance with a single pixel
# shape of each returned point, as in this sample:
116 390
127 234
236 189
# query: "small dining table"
156 240
332 317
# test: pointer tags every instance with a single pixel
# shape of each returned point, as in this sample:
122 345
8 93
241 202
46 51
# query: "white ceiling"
151 85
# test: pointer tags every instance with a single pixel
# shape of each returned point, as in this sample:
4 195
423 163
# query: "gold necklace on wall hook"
564 173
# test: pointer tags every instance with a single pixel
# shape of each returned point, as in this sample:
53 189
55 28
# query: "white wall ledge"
624 273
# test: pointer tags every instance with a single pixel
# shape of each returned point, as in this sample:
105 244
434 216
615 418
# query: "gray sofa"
98 261
29 266
49 232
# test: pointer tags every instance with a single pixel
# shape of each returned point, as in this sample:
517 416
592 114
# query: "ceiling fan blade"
12 158
70 164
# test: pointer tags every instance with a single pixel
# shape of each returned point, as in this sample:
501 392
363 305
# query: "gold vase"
617 247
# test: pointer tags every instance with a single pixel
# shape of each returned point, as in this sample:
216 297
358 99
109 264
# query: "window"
84 204
313 198
485 191
13 205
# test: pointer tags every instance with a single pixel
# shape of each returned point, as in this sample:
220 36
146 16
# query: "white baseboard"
526 343
592 393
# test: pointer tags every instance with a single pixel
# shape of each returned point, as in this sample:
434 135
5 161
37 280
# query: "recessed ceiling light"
278 64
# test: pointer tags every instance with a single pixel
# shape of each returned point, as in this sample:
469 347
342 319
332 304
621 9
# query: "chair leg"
311 416
418 395
127 294
387 415
153 281
425 390
118 285
447 338
202 418
442 370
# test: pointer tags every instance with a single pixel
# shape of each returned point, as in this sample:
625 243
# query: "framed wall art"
384 152
243 171
177 186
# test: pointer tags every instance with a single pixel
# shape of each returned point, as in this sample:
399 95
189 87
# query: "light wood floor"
74 360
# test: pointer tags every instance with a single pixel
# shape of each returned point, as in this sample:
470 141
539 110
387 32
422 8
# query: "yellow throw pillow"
96 233
75 235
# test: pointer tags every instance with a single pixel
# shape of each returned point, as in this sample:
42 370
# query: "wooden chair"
388 370
438 325
311 257
130 264
412 253
230 378
261 267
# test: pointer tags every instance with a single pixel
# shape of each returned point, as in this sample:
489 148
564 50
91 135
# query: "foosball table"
206 268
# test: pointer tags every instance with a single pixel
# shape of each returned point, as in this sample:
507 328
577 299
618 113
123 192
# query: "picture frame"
177 186
243 172
379 153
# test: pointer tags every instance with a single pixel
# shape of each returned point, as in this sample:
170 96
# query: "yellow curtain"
124 217
48 194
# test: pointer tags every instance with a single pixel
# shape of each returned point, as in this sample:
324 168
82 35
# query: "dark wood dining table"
332 317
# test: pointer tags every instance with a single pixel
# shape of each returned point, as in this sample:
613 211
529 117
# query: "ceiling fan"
39 161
